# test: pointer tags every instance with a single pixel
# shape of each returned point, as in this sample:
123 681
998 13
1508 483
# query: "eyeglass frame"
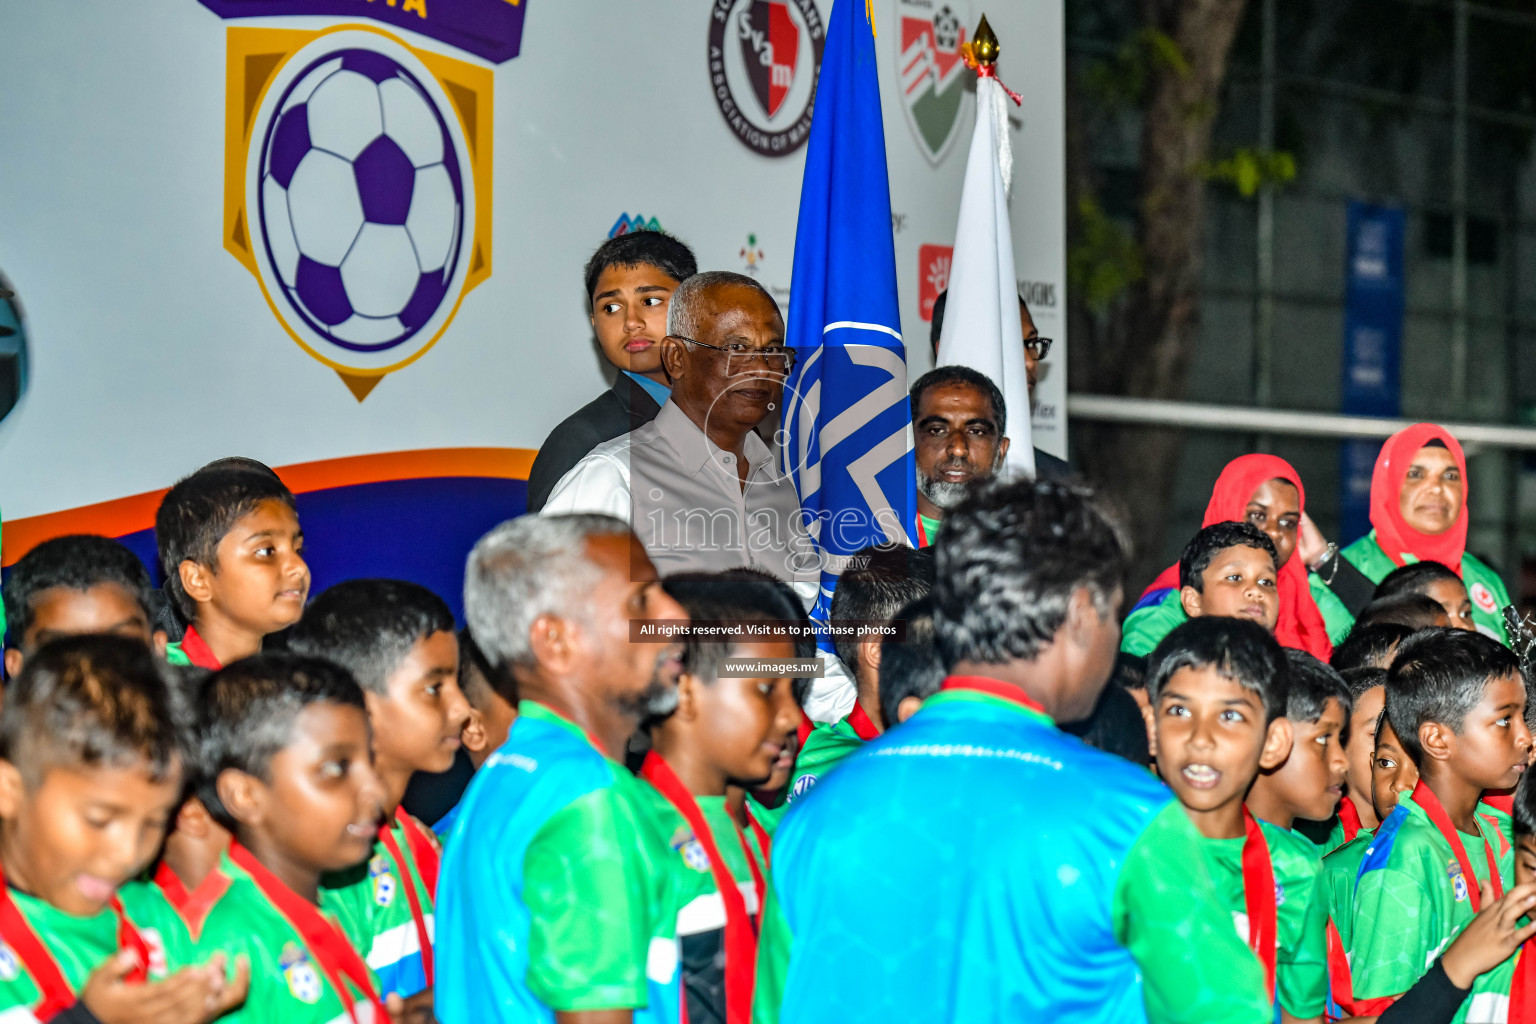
789 354
1043 344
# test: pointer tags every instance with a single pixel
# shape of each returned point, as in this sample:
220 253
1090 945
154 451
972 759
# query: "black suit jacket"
616 411
1049 467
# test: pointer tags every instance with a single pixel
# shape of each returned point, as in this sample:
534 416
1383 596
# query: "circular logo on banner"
764 58
359 201
1483 598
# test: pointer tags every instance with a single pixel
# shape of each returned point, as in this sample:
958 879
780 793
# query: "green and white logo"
931 71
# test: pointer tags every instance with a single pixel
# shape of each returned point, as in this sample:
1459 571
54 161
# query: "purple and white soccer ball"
361 200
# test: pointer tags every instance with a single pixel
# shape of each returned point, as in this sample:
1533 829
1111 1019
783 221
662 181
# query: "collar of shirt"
660 392
696 450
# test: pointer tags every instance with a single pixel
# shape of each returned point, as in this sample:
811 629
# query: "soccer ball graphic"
361 200
946 28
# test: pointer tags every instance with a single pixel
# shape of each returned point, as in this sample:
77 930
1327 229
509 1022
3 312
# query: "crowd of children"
1298 792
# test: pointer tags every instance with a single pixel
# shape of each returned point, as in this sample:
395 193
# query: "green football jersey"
287 984
1410 906
1301 912
1340 869
1484 587
1504 825
1488 1002
1145 627
372 905
827 746
79 945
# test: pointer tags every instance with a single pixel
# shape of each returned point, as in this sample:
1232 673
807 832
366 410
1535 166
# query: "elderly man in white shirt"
697 484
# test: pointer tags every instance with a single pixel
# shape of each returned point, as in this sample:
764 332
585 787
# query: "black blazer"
1049 467
611 414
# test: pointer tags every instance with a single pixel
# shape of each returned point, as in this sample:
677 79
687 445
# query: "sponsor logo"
933 262
1483 598
383 878
357 190
930 70
1458 880
299 973
10 966
1038 294
764 58
625 224
751 255
802 786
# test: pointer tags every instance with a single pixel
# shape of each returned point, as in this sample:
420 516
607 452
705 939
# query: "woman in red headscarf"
1419 514
1266 491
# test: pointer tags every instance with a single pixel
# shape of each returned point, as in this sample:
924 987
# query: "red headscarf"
1393 533
1300 624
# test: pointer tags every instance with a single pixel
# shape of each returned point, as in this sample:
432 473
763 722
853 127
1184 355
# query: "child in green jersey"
1309 783
74 585
397 640
1229 569
1455 700
285 766
1492 993
728 727
90 769
1435 581
1219 690
1368 692
232 553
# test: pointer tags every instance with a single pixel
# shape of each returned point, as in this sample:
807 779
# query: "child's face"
1311 779
419 719
1525 860
1491 748
739 725
1360 739
629 315
262 580
1452 596
64 611
1392 773
1239 584
1211 738
82 831
321 803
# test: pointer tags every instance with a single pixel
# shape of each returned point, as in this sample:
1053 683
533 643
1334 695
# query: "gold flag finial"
984 44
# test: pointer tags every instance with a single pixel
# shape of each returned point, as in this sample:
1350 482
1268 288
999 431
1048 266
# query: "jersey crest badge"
10 967
1458 880
1483 598
383 881
801 787
300 974
686 843
1279 895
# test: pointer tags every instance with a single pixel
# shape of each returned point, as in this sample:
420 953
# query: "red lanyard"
764 841
193 907
1259 896
865 729
1425 798
1522 988
994 688
409 884
740 939
197 650
922 534
429 856
1349 817
56 995
324 940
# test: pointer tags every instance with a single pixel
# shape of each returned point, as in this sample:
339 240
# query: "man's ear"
1002 447
13 788
13 662
1437 740
688 686
473 734
1193 602
243 795
1278 741
196 580
553 641
1082 619
869 652
674 356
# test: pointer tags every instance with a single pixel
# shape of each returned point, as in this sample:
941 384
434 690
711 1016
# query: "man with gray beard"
560 888
958 422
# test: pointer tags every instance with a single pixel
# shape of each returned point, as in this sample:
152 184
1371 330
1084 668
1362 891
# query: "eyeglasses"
1038 348
777 358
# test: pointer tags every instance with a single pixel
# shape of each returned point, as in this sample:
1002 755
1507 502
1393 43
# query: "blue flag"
847 424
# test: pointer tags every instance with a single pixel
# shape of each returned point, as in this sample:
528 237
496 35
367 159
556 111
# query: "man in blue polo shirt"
561 894
977 864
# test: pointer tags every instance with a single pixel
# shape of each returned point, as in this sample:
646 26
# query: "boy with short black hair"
1220 691
910 668
90 769
1412 610
74 585
1357 814
1229 569
232 553
287 769
1456 701
492 696
1435 581
726 730
630 280
1369 646
1309 782
397 640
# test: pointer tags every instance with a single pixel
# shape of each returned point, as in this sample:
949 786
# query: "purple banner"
492 29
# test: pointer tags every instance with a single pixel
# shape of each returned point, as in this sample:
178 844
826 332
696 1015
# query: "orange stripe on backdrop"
123 516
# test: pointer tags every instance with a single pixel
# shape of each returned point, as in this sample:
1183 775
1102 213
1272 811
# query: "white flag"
981 314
